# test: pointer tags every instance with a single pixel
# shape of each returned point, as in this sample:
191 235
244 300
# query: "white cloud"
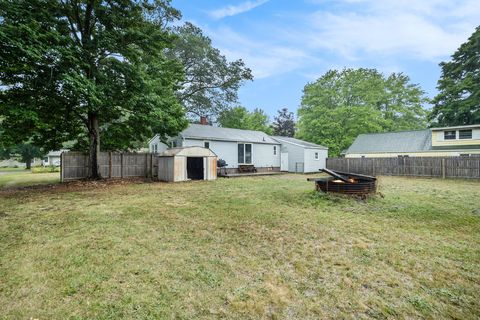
427 30
372 33
264 58
233 10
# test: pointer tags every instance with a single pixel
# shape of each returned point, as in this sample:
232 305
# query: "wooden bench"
246 168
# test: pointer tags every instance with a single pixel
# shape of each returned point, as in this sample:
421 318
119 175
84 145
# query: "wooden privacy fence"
444 167
75 165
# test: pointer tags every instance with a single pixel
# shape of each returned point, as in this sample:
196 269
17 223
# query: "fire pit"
346 183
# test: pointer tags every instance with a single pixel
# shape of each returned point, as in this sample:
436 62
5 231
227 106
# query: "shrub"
45 169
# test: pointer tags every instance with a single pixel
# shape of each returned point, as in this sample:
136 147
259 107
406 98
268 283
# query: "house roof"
56 153
403 141
188 152
299 142
207 132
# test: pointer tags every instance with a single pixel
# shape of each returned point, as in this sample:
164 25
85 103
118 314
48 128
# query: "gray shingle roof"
199 131
404 141
299 142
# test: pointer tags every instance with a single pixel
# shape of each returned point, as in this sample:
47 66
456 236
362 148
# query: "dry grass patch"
263 247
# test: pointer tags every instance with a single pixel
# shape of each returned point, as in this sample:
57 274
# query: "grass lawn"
10 169
248 248
22 178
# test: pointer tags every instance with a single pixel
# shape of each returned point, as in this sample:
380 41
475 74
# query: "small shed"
187 163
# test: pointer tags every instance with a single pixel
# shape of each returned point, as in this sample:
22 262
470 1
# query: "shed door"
284 162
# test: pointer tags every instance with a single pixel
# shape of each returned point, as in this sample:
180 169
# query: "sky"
289 43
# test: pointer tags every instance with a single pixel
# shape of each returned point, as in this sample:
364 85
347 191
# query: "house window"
155 148
465 134
316 155
174 144
274 150
244 153
206 144
449 135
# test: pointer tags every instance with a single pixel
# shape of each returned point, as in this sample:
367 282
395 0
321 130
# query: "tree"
340 105
284 124
458 100
241 118
85 69
26 152
211 82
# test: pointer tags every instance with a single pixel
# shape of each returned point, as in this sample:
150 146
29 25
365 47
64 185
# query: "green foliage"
211 82
45 169
284 124
458 102
340 105
25 152
78 70
241 118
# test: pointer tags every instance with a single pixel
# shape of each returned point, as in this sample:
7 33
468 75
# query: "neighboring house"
302 156
435 142
15 163
242 147
53 158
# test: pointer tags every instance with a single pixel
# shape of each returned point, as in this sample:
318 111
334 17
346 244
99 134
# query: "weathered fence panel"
444 167
75 165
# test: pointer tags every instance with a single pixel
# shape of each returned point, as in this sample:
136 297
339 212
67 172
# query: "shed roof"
56 153
188 152
404 141
299 142
199 131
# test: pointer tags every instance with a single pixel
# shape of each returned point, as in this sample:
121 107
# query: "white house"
302 156
52 158
241 147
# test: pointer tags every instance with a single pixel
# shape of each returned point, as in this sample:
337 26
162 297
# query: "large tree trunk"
94 131
28 164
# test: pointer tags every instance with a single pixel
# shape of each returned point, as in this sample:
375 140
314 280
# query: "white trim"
150 141
229 140
456 127
244 153
301 145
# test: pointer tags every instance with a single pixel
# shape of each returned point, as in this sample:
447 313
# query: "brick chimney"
203 120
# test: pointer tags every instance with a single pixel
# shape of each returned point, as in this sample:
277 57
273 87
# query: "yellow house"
435 142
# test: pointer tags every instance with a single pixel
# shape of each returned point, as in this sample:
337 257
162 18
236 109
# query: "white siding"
295 155
160 145
312 165
262 154
476 134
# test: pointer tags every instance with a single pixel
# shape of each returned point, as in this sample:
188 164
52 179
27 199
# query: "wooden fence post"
348 165
110 164
151 165
443 168
62 164
146 165
121 165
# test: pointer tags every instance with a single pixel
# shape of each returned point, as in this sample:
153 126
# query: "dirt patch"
73 186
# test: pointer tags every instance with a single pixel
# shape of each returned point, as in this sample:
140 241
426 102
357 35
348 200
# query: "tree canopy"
458 102
78 70
340 105
284 123
25 152
241 118
211 82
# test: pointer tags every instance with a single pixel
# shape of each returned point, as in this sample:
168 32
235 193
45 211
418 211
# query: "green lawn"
23 178
248 248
